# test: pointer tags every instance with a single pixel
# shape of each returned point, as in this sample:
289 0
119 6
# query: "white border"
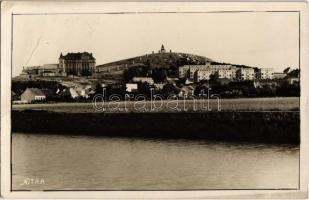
7 8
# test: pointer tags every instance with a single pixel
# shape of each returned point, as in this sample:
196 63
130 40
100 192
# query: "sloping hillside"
170 61
162 60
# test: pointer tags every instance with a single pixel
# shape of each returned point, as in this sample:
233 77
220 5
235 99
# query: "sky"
258 39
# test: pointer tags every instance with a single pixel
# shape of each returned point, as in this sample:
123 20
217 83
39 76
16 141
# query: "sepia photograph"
154 100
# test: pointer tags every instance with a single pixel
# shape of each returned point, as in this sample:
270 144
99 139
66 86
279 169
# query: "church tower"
162 49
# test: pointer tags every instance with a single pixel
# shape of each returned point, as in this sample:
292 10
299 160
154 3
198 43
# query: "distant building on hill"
162 50
188 71
265 73
203 75
245 74
80 64
204 72
32 94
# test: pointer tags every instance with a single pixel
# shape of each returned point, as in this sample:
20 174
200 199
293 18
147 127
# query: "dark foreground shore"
266 127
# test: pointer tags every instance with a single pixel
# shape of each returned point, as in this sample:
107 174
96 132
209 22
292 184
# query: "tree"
199 88
159 75
144 88
294 73
213 78
169 89
86 73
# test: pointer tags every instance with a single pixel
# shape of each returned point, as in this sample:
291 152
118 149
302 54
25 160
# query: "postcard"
154 99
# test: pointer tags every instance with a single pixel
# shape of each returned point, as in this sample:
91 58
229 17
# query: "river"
57 162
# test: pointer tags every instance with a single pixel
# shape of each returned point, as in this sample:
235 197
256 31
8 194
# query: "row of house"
34 94
197 73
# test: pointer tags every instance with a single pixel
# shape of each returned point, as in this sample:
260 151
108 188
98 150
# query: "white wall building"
143 79
245 74
182 71
265 73
279 75
227 73
188 71
130 87
203 75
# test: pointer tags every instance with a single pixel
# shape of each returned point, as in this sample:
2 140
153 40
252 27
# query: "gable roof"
49 66
77 56
35 91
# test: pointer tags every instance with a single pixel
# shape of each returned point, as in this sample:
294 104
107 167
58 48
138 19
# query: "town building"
30 72
194 68
79 64
32 94
183 71
50 70
265 73
217 67
227 72
245 73
44 70
203 75
203 72
188 71
131 87
279 75
143 79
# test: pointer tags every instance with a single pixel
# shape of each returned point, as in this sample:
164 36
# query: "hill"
159 60
170 61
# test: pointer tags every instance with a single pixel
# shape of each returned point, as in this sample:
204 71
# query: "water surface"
99 163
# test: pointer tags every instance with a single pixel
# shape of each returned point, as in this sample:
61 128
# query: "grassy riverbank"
266 127
243 104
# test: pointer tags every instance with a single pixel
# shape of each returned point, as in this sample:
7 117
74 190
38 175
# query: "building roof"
76 56
137 79
49 66
31 68
45 66
35 91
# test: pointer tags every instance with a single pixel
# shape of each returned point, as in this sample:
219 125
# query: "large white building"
130 87
225 71
183 71
265 73
245 74
203 75
143 79
229 73
203 72
187 71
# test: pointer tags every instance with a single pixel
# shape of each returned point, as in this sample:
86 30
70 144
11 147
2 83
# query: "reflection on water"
99 163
